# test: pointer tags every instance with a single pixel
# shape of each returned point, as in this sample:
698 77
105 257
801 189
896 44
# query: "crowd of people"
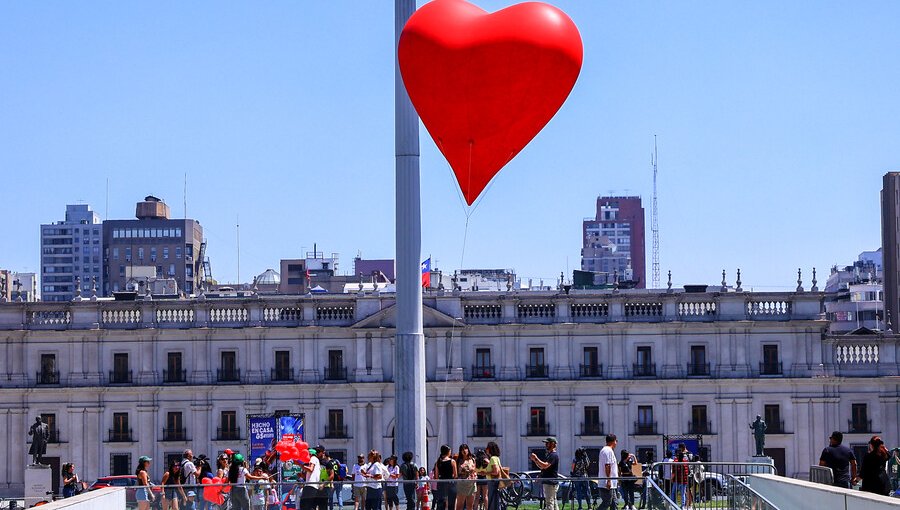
458 480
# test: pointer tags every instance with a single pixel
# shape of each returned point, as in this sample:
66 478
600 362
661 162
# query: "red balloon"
212 493
303 456
486 84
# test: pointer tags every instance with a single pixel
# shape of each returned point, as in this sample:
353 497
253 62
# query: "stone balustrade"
472 307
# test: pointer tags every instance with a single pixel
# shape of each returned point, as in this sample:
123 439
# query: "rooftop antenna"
238 227
185 195
107 200
654 220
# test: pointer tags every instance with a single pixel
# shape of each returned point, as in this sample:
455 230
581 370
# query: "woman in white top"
391 499
375 472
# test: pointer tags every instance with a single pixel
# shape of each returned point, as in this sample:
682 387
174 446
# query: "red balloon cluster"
214 492
289 450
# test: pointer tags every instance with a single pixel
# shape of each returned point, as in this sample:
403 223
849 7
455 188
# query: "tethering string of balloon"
468 211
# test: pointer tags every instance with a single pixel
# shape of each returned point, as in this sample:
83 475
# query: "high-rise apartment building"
890 244
613 241
152 244
71 249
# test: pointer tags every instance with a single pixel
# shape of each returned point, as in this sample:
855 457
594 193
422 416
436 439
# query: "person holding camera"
549 472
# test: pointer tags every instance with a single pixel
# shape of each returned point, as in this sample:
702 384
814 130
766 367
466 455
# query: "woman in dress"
873 472
142 494
465 466
481 489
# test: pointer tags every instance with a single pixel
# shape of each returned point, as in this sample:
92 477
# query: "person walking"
409 472
465 467
172 490
340 474
840 459
873 470
392 486
493 472
609 470
359 487
627 480
549 467
446 473
579 473
142 494
70 480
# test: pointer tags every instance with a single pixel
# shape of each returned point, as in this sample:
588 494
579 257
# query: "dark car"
130 484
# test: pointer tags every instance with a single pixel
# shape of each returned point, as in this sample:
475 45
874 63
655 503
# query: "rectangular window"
335 371
644 366
591 425
120 464
174 427
482 368
698 364
120 372
178 253
120 431
774 425
699 422
140 254
127 254
48 373
336 427
50 420
228 429
536 363
590 366
770 365
166 252
115 253
282 370
228 371
152 254
859 421
537 423
484 423
174 370
171 269
645 424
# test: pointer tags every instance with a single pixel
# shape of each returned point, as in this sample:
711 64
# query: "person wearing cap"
359 490
142 494
237 476
549 467
326 476
312 471
840 459
191 502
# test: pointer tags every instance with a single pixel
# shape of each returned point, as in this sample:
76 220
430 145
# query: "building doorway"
777 455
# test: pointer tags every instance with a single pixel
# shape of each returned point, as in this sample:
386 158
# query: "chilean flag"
426 272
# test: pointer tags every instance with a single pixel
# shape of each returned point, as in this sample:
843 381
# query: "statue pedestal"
38 482
763 461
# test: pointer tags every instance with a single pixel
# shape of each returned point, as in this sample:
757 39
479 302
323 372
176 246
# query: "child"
422 486
190 505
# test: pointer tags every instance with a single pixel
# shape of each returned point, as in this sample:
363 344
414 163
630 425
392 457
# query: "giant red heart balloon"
486 84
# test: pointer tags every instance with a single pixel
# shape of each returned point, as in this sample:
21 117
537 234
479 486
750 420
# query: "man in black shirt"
840 459
549 472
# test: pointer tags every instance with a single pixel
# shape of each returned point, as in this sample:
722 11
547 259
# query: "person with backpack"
409 472
71 483
340 474
579 472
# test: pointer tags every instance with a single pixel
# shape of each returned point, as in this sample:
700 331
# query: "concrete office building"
153 244
71 249
613 240
116 380
890 244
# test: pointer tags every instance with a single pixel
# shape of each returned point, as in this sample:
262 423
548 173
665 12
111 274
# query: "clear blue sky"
776 121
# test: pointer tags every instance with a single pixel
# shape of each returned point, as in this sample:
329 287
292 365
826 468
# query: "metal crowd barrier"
821 474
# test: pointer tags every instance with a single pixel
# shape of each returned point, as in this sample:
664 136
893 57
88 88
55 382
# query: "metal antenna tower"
654 221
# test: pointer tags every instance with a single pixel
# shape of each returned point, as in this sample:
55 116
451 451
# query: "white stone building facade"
124 379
